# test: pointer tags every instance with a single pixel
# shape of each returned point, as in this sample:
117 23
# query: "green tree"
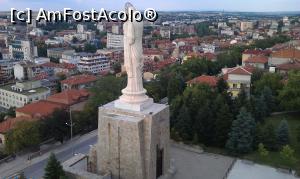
183 124
55 125
241 135
105 90
90 48
269 137
288 154
222 86
271 80
260 109
24 135
61 77
298 134
53 168
223 124
262 150
175 87
290 94
269 100
282 134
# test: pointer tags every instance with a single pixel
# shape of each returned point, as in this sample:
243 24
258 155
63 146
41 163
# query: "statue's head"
128 7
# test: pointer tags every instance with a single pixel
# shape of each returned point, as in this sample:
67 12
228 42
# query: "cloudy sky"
227 5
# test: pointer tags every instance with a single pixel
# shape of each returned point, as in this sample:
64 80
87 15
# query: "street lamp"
71 126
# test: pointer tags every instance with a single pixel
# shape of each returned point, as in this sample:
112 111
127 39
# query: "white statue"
134 94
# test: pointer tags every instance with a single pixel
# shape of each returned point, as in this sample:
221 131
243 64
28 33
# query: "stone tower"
133 145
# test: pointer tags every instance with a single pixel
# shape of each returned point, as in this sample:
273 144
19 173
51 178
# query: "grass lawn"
274 158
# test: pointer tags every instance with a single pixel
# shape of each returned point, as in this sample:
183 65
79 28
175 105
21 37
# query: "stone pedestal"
133 144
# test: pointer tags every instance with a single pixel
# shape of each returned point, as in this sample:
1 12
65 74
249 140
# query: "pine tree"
262 150
183 124
175 87
298 134
241 135
222 86
53 169
269 100
223 123
260 109
288 154
282 134
269 137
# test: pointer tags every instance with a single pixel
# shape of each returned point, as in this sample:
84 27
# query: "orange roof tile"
79 79
257 59
41 108
246 70
69 97
292 53
210 80
11 122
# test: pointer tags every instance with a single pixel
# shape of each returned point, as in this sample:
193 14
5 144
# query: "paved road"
36 171
35 168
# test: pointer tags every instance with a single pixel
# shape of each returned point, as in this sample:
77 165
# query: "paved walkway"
192 165
249 170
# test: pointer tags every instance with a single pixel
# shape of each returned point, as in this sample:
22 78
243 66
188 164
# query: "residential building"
21 93
72 58
58 52
9 124
22 50
114 55
7 70
246 25
238 78
115 40
78 82
39 109
165 32
204 79
26 70
287 55
94 63
254 52
260 62
115 29
73 98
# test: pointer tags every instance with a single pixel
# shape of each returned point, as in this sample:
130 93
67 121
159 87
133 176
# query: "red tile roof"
246 70
69 97
289 66
292 53
257 59
11 122
41 108
210 80
257 52
79 79
59 65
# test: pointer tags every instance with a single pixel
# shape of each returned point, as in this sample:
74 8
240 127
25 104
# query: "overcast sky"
227 5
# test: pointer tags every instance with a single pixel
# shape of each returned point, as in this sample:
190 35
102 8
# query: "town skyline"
192 5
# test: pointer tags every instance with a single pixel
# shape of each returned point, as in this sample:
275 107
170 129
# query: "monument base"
133 106
134 144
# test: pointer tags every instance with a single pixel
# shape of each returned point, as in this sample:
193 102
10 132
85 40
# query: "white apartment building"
21 93
115 40
246 25
94 63
22 50
72 58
